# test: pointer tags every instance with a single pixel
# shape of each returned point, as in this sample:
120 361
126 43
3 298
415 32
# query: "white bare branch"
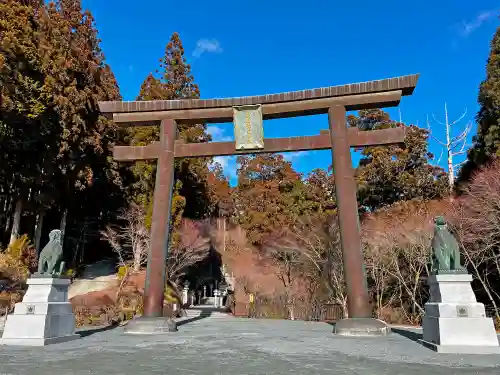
452 143
132 240
440 157
460 118
192 247
436 120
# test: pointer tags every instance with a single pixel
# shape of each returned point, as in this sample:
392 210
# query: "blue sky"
252 47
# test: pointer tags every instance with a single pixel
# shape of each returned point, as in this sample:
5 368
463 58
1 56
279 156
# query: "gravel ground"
241 346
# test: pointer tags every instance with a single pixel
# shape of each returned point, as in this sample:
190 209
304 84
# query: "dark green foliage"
55 143
388 174
487 140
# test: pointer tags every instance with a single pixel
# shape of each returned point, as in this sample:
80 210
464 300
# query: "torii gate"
334 100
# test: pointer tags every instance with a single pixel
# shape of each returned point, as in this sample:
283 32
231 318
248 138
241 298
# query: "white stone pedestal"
216 298
45 315
454 321
185 295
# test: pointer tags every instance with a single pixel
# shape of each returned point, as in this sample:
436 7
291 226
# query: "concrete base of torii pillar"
361 327
144 325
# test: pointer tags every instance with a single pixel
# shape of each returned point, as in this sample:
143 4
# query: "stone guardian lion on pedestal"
50 261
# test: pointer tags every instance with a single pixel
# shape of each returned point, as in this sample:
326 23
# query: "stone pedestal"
216 298
454 321
185 295
45 316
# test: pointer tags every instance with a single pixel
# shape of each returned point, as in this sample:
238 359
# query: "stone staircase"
208 301
206 312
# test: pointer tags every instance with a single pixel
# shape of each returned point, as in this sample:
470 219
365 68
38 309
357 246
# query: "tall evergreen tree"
487 140
388 174
271 195
53 74
191 195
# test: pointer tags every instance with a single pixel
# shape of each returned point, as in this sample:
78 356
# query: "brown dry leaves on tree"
397 253
476 221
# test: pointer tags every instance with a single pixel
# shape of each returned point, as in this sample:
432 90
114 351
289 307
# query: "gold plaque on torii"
248 127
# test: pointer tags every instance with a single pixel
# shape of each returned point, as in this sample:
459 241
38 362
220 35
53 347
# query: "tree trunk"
8 200
8 222
16 221
64 218
449 151
38 230
345 310
137 258
290 305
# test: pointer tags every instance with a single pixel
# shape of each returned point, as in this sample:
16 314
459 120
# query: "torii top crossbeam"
372 94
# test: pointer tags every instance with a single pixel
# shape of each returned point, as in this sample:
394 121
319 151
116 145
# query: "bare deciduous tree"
476 221
453 145
131 241
410 255
193 247
131 244
285 261
397 252
377 258
314 246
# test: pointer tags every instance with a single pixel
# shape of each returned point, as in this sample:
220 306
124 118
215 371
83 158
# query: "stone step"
193 313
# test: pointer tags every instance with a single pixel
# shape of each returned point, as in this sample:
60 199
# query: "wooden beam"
322 141
269 111
390 136
404 83
130 153
304 143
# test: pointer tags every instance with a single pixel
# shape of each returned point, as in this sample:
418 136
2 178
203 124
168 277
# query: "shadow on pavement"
89 332
414 336
203 315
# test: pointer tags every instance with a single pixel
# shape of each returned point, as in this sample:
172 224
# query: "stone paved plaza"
240 346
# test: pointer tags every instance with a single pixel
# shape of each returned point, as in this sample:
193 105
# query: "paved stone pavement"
234 346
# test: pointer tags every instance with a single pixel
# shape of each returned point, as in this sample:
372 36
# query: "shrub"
70 272
23 250
123 271
8 301
95 316
18 260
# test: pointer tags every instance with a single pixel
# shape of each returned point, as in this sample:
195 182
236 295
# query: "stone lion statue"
50 261
445 250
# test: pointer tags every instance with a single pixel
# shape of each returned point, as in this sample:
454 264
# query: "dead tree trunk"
16 221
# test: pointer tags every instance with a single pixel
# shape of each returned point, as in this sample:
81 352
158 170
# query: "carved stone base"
454 321
150 326
363 327
43 317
